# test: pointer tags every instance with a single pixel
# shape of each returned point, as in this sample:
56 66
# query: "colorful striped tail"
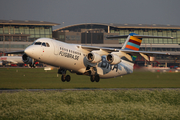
132 42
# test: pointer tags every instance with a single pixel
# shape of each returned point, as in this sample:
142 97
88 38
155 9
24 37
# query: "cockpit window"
37 43
44 44
47 44
33 43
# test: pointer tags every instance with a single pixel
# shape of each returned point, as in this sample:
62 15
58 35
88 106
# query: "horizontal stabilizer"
144 56
139 36
148 36
119 36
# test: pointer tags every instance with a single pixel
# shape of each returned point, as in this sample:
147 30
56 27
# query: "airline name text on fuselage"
69 55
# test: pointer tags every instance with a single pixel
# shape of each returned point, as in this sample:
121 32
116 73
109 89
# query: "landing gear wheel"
92 78
63 78
32 65
68 78
97 78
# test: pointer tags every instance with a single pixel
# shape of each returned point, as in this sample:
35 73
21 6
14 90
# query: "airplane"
11 59
96 62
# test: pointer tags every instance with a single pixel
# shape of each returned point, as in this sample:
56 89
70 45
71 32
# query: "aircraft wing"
128 53
118 36
91 48
150 53
132 52
144 54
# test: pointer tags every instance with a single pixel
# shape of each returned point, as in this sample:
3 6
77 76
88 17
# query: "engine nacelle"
113 59
26 59
93 57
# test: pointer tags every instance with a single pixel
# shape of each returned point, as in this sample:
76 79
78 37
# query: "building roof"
150 26
145 26
26 22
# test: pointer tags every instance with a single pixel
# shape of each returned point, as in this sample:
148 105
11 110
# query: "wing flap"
150 53
144 54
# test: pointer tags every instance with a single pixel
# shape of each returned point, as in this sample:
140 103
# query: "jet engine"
113 59
26 59
93 57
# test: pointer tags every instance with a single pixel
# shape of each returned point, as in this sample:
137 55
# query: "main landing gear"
94 77
93 74
64 77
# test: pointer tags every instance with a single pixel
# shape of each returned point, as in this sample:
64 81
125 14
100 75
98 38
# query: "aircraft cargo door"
56 48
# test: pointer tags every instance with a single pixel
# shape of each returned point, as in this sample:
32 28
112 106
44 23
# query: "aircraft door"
56 49
43 47
47 50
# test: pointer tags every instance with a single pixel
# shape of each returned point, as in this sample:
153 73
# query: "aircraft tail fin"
132 42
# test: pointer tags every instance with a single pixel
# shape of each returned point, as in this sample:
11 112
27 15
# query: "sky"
69 12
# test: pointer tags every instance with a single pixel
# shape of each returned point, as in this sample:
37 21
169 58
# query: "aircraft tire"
97 78
63 78
92 78
68 78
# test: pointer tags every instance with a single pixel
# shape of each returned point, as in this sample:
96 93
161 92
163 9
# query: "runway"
84 89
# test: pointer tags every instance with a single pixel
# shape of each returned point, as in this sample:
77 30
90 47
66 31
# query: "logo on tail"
132 42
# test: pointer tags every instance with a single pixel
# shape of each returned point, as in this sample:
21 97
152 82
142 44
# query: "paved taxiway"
61 90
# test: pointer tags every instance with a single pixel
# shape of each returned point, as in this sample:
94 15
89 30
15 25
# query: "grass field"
24 78
91 105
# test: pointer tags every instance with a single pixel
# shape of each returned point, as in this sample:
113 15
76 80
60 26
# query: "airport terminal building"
98 32
18 34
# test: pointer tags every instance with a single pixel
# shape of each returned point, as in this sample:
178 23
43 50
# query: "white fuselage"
73 57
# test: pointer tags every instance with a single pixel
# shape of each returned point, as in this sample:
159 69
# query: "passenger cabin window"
37 43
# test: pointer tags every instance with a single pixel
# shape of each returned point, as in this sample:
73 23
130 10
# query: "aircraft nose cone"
28 51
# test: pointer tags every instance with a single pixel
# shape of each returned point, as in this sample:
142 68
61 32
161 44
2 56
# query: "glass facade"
24 32
154 32
17 35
